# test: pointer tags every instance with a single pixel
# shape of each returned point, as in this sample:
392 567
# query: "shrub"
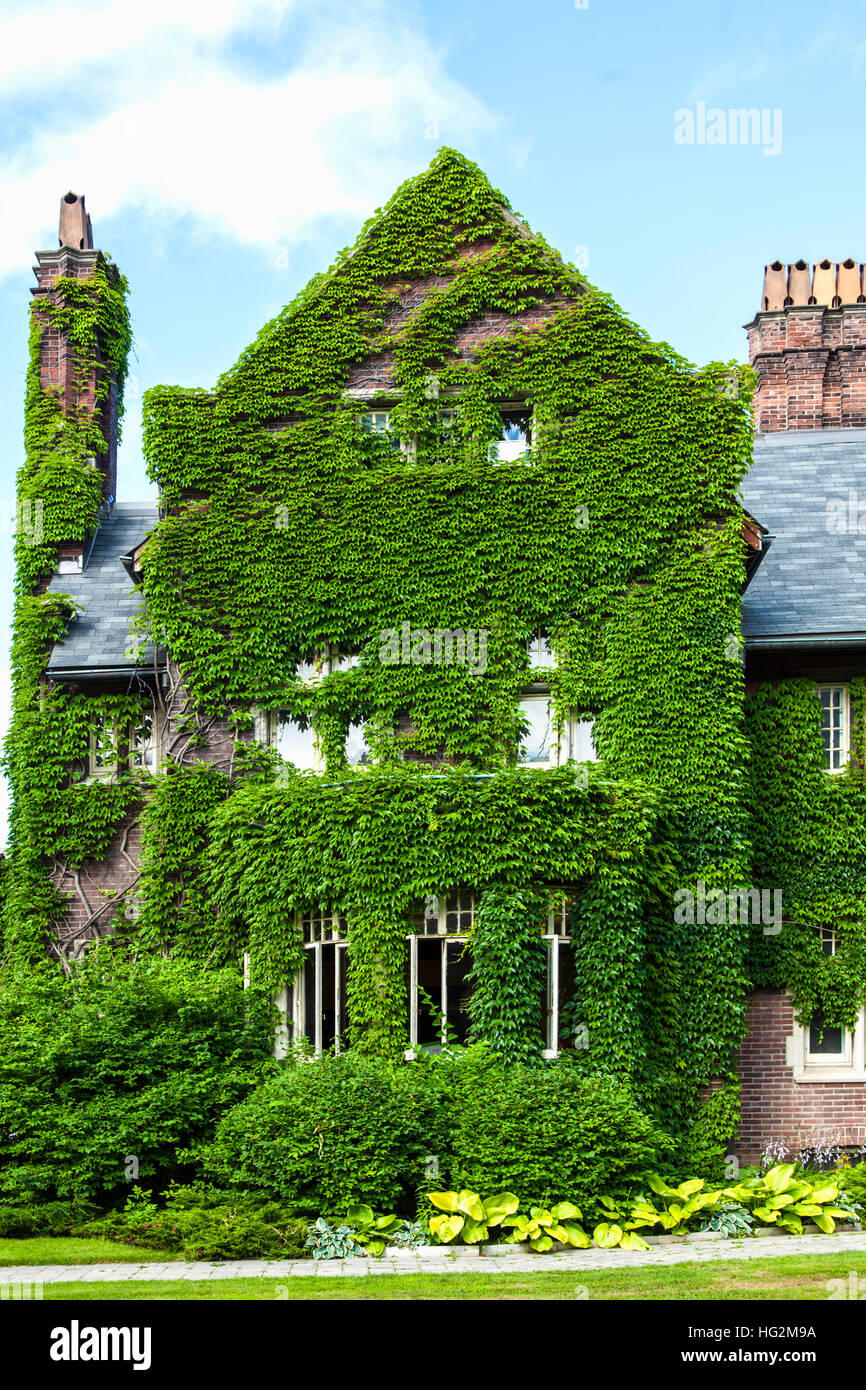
202 1224
327 1134
121 1061
542 1133
46 1219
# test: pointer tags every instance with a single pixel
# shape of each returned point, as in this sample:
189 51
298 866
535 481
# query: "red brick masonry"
775 1106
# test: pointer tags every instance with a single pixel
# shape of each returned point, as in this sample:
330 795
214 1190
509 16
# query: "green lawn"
793 1277
67 1250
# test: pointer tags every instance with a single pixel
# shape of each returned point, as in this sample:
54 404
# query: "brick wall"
774 1105
811 366
57 368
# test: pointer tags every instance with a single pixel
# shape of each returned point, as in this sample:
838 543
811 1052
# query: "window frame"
272 720
296 993
845 739
124 744
563 739
847 1065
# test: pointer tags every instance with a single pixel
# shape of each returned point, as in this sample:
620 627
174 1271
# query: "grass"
69 1250
793 1278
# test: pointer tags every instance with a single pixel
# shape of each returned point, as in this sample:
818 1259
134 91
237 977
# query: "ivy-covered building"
422 696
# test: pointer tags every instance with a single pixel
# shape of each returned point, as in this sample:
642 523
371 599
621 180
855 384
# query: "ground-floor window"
319 1003
439 965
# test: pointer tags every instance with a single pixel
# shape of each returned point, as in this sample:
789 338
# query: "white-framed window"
515 437
118 744
326 662
560 967
820 1052
318 998
540 652
439 965
379 422
835 725
543 745
142 743
440 962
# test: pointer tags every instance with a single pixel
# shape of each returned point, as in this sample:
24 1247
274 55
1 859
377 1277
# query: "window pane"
833 726
825 1041
540 651
536 746
310 995
459 964
515 437
142 752
357 750
104 754
296 743
430 980
582 744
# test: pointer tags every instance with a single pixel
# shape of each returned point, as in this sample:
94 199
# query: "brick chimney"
77 258
807 344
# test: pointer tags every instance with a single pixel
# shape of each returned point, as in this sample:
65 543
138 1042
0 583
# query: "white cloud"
177 125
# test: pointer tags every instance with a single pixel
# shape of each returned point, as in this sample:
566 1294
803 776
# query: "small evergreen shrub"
202 1224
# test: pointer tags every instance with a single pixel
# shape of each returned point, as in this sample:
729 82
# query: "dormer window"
119 745
835 726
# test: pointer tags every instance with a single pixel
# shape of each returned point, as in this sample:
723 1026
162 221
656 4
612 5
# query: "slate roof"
98 637
812 581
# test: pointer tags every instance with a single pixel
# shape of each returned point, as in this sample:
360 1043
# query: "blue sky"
227 149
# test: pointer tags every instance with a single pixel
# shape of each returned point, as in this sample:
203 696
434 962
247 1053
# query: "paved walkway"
566 1262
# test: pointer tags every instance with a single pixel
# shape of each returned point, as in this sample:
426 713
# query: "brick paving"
573 1261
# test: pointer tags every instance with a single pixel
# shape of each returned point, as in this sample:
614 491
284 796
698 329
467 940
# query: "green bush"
202 1224
45 1219
540 1133
326 1134
107 1077
341 1130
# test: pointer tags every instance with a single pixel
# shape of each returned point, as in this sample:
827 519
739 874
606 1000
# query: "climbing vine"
55 820
809 831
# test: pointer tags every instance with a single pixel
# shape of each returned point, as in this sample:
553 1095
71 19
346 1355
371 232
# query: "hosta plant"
371 1231
329 1242
730 1219
779 1198
544 1225
466 1215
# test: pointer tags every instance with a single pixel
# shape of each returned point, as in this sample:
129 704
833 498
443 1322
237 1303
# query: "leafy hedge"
340 1130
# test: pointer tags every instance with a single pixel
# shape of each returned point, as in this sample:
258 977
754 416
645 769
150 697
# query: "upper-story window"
543 745
835 725
540 651
117 745
380 423
358 752
295 740
325 662
515 437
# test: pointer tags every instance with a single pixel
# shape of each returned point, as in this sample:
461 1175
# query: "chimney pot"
75 228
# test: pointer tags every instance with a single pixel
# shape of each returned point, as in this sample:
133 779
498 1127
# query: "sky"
228 149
